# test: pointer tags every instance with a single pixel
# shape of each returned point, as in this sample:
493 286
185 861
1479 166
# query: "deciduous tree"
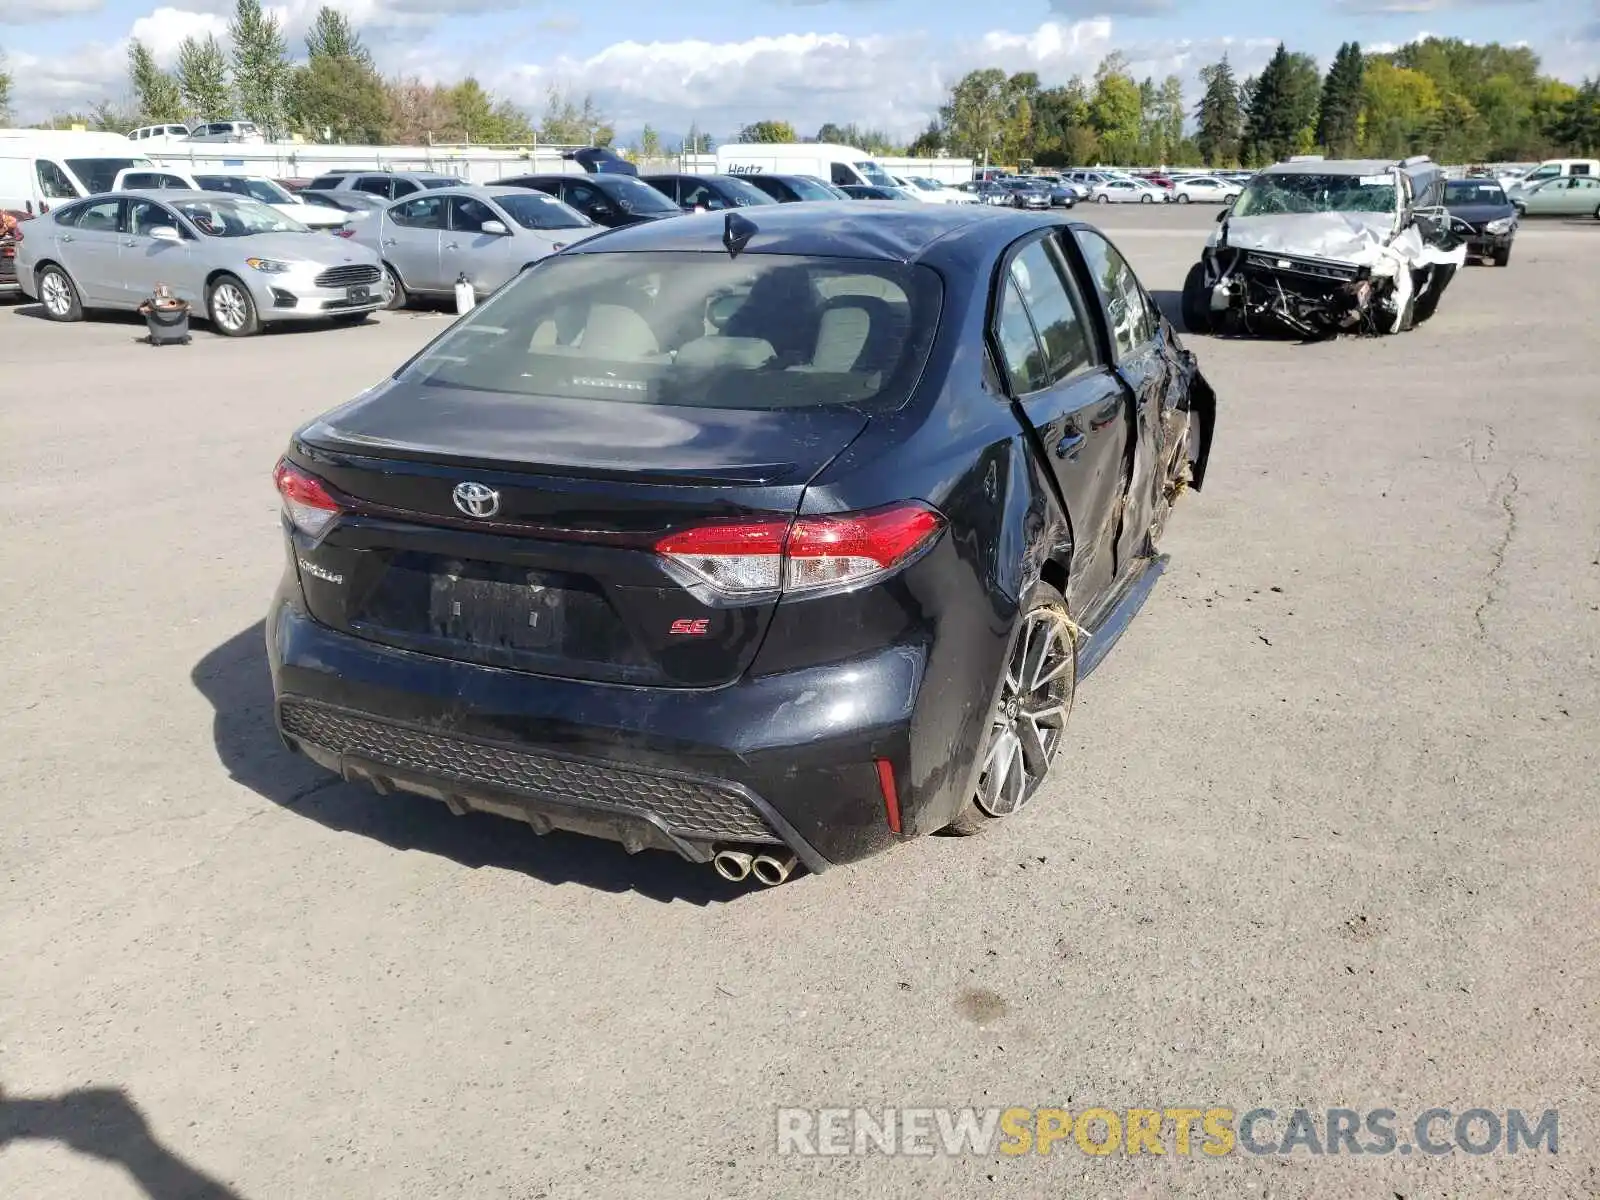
261 67
203 79
768 131
155 92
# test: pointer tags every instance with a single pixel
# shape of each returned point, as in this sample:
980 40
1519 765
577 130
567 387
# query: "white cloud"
26 12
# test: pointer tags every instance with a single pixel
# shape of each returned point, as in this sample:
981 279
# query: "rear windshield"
100 174
762 331
263 190
439 183
811 189
535 210
633 196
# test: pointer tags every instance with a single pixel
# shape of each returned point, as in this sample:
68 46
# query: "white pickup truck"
257 187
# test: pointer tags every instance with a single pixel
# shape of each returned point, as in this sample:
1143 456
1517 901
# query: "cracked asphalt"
1324 834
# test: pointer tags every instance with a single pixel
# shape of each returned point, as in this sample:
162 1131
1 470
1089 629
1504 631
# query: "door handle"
129 242
1069 446
452 246
64 237
391 241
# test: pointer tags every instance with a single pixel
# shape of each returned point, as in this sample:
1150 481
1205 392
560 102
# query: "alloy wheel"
1030 716
229 308
54 291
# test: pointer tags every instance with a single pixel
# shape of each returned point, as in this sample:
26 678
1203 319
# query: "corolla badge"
476 499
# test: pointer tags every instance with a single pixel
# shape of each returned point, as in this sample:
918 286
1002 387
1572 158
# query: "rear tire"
1147 199
58 295
1028 718
395 296
232 311
1183 198
1197 301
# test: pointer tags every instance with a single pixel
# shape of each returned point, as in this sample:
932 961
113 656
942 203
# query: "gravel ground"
1324 835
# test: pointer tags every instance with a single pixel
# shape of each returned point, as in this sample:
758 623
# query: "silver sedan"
488 235
235 260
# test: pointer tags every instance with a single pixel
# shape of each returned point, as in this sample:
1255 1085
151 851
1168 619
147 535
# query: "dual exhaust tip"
738 865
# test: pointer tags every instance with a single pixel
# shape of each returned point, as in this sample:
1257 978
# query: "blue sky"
721 63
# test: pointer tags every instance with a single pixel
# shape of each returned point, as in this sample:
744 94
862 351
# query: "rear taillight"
806 555
344 231
306 500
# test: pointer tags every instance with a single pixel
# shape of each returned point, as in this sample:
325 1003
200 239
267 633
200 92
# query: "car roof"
1334 166
826 229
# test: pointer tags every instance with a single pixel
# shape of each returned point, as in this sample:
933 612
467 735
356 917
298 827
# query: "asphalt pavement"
1323 835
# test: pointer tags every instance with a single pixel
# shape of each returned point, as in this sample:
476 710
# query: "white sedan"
256 187
1128 191
1205 189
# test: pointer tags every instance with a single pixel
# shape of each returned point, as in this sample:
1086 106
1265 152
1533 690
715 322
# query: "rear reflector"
305 498
806 555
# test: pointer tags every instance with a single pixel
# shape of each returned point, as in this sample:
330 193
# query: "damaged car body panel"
1318 248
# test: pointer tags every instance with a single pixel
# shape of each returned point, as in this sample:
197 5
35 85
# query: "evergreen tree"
261 69
1281 118
1339 124
1219 116
203 79
333 36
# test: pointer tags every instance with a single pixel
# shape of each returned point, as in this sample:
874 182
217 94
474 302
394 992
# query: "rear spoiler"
601 160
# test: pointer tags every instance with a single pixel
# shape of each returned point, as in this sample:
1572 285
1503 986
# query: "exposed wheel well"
1054 573
38 270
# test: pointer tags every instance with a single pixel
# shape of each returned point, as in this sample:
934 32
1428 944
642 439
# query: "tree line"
1451 99
1445 97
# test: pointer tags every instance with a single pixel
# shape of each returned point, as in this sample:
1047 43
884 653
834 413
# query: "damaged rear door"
1073 404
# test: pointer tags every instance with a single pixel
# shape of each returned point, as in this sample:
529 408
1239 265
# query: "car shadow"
236 681
198 325
106 1125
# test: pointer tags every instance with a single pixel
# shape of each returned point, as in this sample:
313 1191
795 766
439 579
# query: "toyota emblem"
476 499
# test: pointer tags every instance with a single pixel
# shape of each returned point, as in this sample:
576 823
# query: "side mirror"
1223 215
166 233
497 228
598 210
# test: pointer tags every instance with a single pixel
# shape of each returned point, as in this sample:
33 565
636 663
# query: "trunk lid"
561 577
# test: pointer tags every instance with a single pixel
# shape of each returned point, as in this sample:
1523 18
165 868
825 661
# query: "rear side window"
762 331
1025 365
425 212
322 182
100 216
1041 275
378 185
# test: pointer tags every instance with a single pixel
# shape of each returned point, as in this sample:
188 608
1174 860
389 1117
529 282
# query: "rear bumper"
788 758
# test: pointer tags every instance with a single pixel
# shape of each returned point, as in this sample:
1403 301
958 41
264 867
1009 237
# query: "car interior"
813 335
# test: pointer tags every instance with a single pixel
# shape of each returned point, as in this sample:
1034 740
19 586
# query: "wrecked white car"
1316 247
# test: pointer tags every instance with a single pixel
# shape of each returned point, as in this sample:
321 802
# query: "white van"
169 132
40 169
820 160
1555 168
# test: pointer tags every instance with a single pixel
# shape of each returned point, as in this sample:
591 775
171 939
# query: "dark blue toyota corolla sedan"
771 537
